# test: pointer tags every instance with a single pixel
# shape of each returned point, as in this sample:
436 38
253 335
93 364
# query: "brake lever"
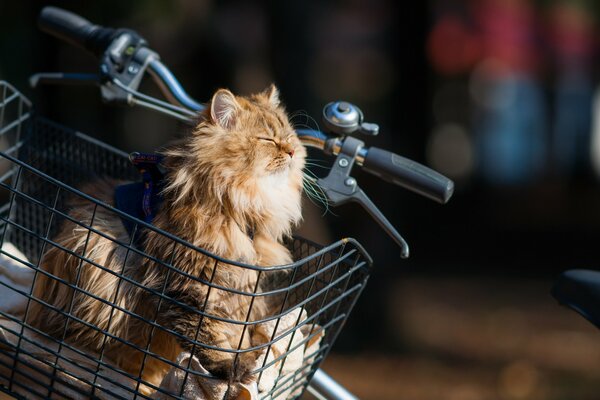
341 188
122 67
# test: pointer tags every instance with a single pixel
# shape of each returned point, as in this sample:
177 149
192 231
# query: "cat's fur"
232 187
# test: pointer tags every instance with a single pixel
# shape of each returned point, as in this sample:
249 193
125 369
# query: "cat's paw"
227 367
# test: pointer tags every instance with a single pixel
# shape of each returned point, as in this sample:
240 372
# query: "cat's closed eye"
268 139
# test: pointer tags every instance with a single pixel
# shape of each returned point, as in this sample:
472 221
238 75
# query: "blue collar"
141 199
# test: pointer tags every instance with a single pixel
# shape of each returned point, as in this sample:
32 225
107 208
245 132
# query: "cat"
233 187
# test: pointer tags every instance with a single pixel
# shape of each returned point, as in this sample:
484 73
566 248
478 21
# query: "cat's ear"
224 108
272 94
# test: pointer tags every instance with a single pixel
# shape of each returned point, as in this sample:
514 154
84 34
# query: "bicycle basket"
41 166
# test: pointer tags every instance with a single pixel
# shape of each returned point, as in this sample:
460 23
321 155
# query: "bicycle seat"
579 289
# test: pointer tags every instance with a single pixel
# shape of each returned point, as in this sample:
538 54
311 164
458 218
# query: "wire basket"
41 165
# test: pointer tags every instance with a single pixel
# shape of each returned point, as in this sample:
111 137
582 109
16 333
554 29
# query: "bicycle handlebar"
390 167
408 174
75 30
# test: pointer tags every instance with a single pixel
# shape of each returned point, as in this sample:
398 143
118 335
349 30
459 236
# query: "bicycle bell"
344 118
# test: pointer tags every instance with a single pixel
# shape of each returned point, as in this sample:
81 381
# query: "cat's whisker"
314 192
310 174
296 113
321 197
300 126
306 123
316 165
308 120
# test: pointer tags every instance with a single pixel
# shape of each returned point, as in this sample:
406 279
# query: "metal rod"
319 140
170 87
324 387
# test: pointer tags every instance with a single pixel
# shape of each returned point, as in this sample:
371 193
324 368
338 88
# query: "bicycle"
45 162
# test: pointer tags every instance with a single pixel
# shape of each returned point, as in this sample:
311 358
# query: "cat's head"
246 153
255 134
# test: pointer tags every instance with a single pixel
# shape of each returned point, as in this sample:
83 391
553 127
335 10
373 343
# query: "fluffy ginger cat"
232 187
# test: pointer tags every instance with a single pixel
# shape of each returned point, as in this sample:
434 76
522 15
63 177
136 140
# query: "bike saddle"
579 289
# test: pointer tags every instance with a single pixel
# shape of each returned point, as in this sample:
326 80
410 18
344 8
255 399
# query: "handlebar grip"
408 174
75 30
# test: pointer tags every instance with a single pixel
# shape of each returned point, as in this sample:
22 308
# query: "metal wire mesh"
41 165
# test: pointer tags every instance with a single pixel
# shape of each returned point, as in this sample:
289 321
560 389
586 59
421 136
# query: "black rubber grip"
75 30
408 174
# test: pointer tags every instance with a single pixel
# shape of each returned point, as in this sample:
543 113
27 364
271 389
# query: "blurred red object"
452 47
508 31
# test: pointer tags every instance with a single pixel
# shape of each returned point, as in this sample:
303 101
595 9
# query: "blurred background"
500 95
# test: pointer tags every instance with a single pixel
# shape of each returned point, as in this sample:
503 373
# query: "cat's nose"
290 152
